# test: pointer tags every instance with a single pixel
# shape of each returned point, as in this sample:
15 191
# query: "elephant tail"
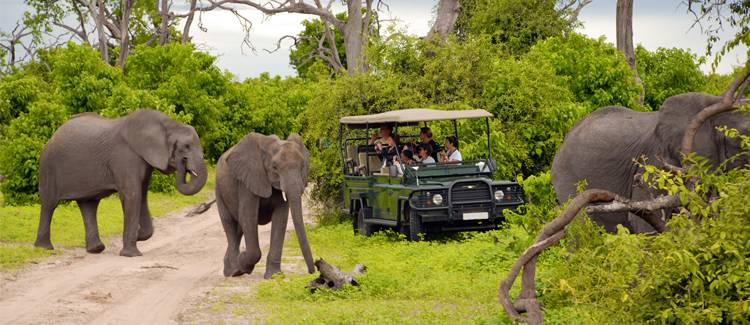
203 207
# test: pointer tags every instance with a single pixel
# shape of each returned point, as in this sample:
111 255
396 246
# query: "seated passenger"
407 159
453 155
385 144
425 134
423 152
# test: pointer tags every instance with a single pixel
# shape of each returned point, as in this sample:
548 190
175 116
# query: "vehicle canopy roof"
411 116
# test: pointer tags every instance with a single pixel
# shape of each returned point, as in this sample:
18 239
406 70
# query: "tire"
415 226
365 229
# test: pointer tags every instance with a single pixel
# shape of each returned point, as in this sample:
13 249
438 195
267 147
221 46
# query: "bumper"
462 218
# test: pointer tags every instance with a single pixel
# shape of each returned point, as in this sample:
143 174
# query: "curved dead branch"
551 234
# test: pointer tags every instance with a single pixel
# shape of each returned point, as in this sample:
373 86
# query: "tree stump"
332 277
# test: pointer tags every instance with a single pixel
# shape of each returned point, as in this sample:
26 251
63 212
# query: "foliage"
516 25
303 55
694 273
668 72
596 72
540 203
20 146
534 107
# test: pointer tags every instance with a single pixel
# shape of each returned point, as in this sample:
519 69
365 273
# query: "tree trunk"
188 22
447 14
103 43
353 38
164 27
127 6
624 23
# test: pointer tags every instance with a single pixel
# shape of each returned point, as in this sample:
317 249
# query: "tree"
447 15
308 52
356 29
516 25
624 21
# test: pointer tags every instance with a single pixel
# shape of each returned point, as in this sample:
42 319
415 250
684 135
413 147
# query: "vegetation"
520 60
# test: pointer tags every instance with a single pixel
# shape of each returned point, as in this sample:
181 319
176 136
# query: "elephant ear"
294 137
248 160
145 133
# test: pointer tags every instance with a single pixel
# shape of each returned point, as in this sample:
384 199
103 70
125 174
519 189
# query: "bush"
20 146
596 72
83 81
668 72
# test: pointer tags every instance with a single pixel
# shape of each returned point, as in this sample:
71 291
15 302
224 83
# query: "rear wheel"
415 226
365 229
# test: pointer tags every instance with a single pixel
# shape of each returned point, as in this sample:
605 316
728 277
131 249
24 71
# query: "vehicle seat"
375 163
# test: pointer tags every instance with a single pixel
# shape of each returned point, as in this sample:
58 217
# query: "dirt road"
180 264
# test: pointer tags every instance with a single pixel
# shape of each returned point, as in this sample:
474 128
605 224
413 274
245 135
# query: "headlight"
437 199
499 195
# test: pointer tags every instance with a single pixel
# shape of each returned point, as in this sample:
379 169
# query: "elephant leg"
278 231
248 220
146 222
88 211
45 221
131 207
233 233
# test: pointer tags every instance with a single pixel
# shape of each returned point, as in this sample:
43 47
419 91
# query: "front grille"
470 191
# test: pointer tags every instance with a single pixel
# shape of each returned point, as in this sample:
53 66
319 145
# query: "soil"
171 283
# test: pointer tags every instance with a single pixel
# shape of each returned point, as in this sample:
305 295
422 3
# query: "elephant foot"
271 271
130 252
95 248
247 262
145 233
46 244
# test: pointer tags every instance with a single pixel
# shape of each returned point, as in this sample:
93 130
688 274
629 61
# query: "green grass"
18 224
446 281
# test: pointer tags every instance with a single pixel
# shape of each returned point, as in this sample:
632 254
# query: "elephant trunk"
295 204
199 174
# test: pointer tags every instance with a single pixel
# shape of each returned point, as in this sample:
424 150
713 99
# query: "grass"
446 281
18 224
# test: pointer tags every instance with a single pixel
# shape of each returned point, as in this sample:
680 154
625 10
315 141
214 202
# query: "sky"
656 23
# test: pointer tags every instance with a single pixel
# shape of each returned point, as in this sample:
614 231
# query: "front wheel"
365 229
415 226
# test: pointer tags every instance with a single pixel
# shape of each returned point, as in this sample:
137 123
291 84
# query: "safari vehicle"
434 198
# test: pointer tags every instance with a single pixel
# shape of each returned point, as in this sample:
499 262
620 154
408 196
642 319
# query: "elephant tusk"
283 194
194 173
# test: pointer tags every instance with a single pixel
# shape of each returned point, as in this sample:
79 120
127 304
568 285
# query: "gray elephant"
257 181
90 157
602 147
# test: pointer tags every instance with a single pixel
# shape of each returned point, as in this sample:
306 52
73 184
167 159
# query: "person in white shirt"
423 151
453 155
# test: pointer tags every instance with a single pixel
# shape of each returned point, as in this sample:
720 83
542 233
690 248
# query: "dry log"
332 277
203 207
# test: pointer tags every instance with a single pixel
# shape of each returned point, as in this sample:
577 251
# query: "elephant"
90 157
602 147
258 181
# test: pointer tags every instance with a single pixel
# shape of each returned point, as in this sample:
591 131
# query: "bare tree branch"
189 22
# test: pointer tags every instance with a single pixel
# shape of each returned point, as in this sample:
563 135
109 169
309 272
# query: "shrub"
20 146
83 81
596 72
668 72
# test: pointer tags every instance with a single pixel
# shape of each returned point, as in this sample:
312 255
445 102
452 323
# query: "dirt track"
181 263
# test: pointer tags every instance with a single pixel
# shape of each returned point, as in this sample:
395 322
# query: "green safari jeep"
431 198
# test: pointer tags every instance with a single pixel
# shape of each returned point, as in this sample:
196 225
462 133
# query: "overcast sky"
662 23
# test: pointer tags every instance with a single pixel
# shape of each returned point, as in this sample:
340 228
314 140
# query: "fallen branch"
332 277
